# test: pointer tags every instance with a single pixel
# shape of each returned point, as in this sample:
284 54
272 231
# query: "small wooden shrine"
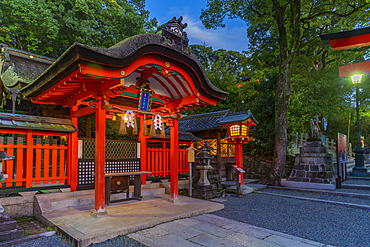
147 79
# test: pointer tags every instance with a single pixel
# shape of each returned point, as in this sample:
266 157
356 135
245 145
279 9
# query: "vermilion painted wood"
160 161
20 162
100 158
84 112
143 152
10 163
353 69
54 162
174 154
74 150
46 162
61 163
38 160
350 42
69 159
29 161
239 159
116 73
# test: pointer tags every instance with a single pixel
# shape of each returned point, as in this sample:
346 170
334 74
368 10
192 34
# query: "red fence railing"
158 158
37 160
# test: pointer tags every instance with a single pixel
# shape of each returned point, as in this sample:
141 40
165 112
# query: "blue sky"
232 37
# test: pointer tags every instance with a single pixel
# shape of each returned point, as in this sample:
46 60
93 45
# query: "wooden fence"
158 158
37 160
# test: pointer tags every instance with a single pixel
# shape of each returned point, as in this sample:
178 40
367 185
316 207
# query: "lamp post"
359 170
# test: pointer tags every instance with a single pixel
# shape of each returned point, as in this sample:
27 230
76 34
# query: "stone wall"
19 206
254 169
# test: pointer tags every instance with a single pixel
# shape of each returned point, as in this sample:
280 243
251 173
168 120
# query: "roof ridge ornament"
174 29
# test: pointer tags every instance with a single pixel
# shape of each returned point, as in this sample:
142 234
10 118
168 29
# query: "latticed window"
113 149
212 143
234 130
227 150
244 130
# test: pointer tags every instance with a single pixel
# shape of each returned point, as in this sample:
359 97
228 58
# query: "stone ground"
338 218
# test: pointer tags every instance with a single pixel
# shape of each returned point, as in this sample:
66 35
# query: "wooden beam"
353 69
84 112
350 42
71 101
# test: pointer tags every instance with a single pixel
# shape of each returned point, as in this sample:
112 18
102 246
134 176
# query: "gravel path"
323 196
325 223
56 241
357 182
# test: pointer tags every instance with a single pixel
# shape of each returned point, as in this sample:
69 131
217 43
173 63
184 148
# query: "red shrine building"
143 81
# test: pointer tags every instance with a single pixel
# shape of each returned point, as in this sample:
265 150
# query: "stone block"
209 240
168 240
212 229
7 235
306 167
317 180
180 230
4 217
8 225
242 239
311 161
314 168
321 168
321 175
312 175
305 180
28 195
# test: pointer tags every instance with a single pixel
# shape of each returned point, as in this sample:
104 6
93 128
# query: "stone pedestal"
313 164
203 192
8 227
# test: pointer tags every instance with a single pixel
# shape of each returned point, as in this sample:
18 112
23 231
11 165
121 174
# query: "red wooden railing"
158 158
37 160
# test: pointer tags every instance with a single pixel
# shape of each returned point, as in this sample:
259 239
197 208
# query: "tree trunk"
288 51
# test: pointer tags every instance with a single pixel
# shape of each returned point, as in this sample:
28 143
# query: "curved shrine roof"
74 71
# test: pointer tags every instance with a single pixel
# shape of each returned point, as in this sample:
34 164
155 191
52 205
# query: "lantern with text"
238 125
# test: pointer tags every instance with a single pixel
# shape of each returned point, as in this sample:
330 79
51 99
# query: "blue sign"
145 100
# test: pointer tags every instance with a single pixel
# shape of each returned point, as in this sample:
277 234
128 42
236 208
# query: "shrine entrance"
144 80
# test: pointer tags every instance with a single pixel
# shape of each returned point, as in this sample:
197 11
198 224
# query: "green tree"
49 27
226 70
287 23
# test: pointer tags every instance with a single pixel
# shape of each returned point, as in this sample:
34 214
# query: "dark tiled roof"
17 66
185 136
205 121
18 121
121 55
237 117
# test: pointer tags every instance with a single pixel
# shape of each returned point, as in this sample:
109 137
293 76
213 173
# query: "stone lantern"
203 189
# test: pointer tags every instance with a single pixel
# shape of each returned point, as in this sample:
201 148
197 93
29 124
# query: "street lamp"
359 170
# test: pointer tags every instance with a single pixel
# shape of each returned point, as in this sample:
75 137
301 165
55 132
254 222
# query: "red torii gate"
87 76
347 40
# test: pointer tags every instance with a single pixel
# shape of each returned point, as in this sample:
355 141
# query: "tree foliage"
284 39
49 27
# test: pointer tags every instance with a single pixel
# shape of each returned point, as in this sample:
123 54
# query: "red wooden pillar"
100 126
73 153
174 161
143 150
29 160
239 160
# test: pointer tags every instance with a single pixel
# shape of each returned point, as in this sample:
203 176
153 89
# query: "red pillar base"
239 160
98 215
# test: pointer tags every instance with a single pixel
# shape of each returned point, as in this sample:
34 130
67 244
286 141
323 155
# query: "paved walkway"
211 230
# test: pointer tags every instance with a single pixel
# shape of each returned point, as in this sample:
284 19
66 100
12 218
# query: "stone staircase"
55 203
9 228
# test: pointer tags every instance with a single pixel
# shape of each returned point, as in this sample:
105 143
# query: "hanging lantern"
157 127
128 123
